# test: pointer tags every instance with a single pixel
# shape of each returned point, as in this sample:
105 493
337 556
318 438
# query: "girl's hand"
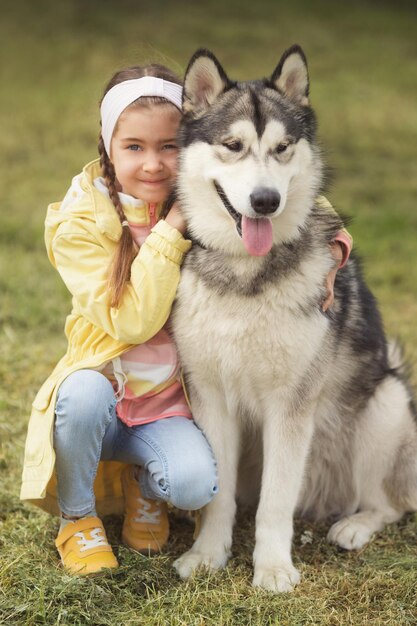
337 254
175 218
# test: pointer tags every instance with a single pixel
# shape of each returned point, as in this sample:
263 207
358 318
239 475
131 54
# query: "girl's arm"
147 300
342 241
341 247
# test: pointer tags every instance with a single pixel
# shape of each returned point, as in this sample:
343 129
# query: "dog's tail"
403 481
399 367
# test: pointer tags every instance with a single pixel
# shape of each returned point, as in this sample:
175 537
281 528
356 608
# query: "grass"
56 58
371 587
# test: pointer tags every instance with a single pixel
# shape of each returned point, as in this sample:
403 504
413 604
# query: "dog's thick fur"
312 405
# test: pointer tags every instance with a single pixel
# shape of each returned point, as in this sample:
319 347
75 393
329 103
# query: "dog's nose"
265 200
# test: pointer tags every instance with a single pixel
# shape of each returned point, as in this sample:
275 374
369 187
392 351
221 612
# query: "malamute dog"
306 411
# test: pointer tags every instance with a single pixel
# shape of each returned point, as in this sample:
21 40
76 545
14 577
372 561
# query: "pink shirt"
156 362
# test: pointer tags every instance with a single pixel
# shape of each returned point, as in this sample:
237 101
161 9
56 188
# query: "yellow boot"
83 547
146 524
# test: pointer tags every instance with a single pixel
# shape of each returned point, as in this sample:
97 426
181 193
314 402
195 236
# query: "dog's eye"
281 147
233 146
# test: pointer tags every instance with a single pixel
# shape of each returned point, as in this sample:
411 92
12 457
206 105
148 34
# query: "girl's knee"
194 487
85 397
180 467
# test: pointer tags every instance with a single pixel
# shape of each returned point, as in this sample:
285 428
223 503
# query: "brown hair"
119 270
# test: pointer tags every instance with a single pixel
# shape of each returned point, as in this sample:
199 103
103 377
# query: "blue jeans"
176 461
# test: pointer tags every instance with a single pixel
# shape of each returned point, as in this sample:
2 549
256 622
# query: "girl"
116 394
110 429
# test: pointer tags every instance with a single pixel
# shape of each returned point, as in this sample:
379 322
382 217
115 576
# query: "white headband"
121 95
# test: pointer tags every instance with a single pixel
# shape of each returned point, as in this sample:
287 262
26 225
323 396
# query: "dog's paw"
279 579
349 534
193 560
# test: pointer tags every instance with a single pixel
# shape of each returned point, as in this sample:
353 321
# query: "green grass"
56 57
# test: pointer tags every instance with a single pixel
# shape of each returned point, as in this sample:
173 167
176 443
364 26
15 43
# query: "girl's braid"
127 249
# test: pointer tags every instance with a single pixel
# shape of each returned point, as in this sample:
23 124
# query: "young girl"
113 412
116 395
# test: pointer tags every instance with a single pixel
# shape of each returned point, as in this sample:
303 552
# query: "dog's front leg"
286 441
213 544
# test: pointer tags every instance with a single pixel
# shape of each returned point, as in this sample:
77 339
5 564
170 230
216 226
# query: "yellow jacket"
81 241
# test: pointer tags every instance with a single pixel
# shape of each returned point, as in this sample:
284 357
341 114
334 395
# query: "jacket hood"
85 202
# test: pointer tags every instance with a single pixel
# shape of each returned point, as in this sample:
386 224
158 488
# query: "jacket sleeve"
83 264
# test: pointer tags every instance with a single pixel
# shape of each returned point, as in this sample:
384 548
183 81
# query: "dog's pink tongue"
257 235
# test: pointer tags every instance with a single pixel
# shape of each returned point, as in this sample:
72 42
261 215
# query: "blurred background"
56 57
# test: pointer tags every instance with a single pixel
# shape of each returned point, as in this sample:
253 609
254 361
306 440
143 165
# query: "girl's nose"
153 162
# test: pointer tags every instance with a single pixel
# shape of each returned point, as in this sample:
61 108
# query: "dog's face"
250 168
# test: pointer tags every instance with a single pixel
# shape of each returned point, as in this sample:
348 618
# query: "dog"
308 412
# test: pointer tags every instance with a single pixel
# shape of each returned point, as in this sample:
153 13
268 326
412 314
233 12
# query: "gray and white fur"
307 412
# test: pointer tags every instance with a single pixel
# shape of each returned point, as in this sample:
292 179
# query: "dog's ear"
290 76
204 81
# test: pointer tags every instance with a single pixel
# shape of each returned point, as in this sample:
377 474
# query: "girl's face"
144 151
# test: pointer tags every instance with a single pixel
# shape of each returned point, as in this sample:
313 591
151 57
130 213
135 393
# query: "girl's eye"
170 146
134 147
233 145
